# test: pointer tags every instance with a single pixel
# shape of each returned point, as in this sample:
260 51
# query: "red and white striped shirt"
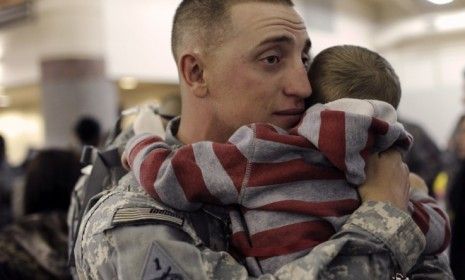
294 189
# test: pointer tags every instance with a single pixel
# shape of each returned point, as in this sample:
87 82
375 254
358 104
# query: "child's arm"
208 172
205 172
185 177
347 131
429 217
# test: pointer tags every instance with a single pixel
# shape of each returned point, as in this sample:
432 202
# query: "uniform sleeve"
432 268
377 242
154 250
137 251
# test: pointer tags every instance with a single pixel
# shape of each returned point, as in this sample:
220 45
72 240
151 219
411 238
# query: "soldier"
241 62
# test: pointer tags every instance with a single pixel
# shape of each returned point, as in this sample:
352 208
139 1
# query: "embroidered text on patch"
128 215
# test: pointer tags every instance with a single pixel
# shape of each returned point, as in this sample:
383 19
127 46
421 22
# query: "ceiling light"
441 2
450 22
128 83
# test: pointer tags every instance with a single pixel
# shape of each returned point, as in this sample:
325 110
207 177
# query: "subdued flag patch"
145 214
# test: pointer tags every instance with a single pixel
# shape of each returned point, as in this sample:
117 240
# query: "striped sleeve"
432 221
184 178
347 138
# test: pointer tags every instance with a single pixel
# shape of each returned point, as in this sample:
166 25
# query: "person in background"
457 205
17 193
424 158
87 130
450 156
35 245
6 184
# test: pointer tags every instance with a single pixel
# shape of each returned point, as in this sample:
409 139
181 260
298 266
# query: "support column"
71 88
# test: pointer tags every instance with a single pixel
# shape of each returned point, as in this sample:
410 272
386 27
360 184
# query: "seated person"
34 246
305 177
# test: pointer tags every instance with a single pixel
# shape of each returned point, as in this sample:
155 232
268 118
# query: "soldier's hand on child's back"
387 179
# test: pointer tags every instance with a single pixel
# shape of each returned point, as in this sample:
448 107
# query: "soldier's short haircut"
205 20
353 72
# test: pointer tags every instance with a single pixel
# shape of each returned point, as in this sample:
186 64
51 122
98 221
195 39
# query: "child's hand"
124 161
146 121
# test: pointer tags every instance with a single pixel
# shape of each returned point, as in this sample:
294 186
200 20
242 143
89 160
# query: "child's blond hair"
353 72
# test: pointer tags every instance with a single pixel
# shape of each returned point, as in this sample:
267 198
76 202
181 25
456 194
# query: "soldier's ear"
192 72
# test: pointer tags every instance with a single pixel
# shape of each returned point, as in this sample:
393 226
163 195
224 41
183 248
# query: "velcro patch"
131 215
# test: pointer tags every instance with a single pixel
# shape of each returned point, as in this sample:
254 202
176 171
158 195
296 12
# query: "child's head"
353 72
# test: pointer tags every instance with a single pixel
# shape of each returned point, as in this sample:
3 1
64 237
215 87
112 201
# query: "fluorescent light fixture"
441 2
4 101
450 22
128 83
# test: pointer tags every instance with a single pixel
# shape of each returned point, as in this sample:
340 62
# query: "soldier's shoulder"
125 204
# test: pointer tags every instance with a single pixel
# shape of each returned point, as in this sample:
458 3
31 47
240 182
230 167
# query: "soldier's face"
259 72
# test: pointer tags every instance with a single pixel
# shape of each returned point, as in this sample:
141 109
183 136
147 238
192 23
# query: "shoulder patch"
159 265
144 215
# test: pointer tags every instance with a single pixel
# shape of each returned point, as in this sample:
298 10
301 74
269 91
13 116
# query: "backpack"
101 173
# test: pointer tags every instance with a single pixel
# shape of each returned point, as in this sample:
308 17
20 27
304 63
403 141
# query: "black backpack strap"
106 170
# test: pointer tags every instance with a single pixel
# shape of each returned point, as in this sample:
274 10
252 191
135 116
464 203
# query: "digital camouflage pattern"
78 202
377 242
34 247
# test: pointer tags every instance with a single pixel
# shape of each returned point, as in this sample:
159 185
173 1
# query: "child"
294 189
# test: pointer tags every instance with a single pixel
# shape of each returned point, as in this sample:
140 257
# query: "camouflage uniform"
34 247
78 197
127 235
7 177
